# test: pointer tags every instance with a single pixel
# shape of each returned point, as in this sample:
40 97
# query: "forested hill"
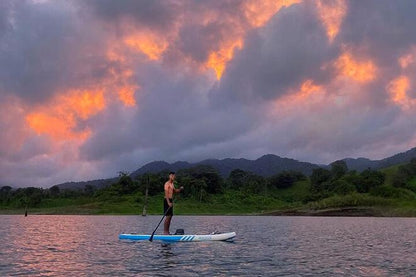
265 166
361 164
80 185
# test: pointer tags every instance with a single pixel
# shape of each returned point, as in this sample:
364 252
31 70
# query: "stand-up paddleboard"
181 238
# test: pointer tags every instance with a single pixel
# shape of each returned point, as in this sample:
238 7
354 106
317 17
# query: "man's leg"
167 224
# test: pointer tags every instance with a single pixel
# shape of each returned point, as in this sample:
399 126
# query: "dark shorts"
166 207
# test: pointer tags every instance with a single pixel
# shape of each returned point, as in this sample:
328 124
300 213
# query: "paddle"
151 237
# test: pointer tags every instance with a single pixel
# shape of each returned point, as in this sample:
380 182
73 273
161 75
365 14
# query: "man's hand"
170 204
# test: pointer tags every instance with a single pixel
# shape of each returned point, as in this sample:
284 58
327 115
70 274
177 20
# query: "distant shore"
332 212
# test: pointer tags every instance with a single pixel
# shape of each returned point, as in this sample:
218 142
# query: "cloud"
290 48
91 88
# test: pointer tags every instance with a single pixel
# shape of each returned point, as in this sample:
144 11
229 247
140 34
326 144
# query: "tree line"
202 181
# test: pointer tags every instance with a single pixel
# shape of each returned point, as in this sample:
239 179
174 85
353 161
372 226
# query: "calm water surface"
264 246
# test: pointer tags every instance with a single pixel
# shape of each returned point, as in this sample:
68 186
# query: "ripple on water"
268 246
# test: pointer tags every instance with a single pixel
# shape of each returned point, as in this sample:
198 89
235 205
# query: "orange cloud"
259 12
154 45
148 43
308 93
398 89
217 60
121 75
60 117
406 60
126 95
331 14
360 71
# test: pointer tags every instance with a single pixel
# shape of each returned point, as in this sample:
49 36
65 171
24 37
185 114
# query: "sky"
90 88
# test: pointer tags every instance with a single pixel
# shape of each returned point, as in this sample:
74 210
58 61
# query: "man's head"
171 176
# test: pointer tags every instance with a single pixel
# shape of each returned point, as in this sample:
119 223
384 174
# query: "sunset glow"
406 60
59 118
126 95
332 14
307 94
260 12
218 60
398 89
149 44
360 71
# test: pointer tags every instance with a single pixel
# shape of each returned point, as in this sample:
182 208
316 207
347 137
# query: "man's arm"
177 190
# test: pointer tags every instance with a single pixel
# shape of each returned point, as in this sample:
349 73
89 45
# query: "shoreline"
330 212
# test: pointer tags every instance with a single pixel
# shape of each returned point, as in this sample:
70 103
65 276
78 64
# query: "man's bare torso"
169 189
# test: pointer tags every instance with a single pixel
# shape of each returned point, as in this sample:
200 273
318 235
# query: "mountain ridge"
266 165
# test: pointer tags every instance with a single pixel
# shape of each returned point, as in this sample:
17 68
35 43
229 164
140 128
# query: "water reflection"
166 250
268 246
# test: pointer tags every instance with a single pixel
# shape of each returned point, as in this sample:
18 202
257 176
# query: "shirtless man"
168 203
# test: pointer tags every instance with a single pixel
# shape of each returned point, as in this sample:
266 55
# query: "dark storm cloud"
47 47
157 15
384 28
197 40
290 48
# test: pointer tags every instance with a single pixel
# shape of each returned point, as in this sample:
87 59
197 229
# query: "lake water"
264 246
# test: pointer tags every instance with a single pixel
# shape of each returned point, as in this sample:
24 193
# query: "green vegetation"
333 191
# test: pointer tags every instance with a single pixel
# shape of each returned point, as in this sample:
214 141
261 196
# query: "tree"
126 183
319 179
404 174
237 178
5 194
338 169
153 182
89 190
342 187
247 181
370 179
284 179
33 196
194 188
255 184
54 191
207 173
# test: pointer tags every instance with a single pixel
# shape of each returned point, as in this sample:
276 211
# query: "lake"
264 246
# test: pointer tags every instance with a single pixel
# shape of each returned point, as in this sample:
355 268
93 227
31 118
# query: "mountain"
158 166
361 164
81 185
266 165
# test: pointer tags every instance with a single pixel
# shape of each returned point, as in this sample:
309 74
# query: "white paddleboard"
181 238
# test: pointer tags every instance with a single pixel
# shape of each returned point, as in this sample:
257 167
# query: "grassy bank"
280 202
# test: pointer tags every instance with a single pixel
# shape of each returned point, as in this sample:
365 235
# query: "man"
168 201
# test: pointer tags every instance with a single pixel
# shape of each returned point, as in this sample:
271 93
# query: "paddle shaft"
151 237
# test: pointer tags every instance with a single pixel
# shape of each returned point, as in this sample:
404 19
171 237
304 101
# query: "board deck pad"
181 238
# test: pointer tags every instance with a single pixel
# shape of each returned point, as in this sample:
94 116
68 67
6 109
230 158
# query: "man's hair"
172 173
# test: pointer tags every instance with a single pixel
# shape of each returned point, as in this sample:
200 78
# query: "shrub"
342 187
392 192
